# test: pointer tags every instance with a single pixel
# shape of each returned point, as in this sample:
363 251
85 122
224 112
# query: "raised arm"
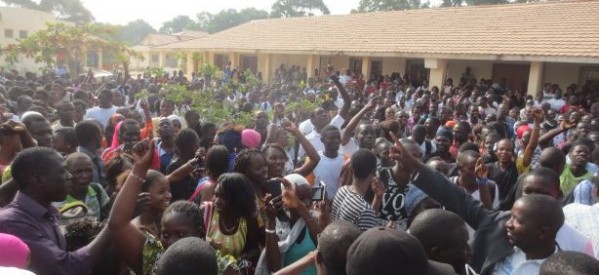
130 240
346 98
482 180
348 132
563 126
534 138
311 152
452 197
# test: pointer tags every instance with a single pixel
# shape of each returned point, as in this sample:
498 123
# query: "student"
328 169
331 255
40 173
349 203
388 251
81 189
188 256
89 136
494 250
449 245
568 262
138 240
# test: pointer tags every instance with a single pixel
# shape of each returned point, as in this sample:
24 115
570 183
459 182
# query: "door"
376 69
248 62
416 71
515 75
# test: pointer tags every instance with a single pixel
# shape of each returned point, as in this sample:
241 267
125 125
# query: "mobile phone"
275 189
319 192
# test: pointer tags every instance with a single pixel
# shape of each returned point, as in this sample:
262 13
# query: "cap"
388 251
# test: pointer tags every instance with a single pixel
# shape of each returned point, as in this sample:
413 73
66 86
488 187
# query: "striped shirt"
351 207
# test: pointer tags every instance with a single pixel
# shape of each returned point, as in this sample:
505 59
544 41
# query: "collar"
517 250
33 207
91 154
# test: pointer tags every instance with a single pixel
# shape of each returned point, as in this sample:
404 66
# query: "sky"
156 12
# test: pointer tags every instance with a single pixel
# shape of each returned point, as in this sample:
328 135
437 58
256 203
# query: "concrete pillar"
161 59
535 78
234 59
210 58
265 66
100 59
313 63
189 65
366 67
83 59
438 71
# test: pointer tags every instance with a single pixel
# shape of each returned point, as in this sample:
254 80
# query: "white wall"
18 19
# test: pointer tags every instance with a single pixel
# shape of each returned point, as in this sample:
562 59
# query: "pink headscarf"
13 251
250 138
115 136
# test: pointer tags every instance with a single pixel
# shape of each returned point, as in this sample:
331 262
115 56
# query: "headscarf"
115 137
181 121
250 138
444 132
13 251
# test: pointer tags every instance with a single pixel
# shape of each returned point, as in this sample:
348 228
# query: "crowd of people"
385 176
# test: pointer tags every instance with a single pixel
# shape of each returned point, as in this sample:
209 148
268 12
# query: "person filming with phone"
293 239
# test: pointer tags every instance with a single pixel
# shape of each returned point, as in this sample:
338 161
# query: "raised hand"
538 115
481 170
143 152
289 126
372 102
399 153
377 187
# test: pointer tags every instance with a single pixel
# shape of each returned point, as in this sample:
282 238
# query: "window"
22 34
8 33
154 58
589 75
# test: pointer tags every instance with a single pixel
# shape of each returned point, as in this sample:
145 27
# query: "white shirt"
517 264
328 171
314 138
584 218
570 239
100 114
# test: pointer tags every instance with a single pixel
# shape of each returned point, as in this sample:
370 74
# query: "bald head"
553 158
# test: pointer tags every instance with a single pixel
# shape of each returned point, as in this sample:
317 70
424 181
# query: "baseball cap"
388 251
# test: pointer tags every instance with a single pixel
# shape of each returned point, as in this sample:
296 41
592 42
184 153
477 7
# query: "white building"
19 23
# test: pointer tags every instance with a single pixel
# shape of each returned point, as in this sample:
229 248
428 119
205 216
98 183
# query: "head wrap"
13 251
250 138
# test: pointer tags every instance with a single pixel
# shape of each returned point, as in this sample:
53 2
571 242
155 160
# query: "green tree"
296 8
72 41
69 10
226 19
390 5
135 31
178 24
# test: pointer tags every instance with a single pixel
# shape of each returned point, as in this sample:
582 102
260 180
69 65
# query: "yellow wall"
480 69
394 65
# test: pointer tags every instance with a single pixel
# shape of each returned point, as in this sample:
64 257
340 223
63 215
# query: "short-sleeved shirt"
352 207
568 181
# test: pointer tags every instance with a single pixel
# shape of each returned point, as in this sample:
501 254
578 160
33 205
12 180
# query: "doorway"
514 75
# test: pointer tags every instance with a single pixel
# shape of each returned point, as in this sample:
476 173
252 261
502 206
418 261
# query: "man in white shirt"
104 110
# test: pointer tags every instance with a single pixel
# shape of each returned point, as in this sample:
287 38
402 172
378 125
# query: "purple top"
37 226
